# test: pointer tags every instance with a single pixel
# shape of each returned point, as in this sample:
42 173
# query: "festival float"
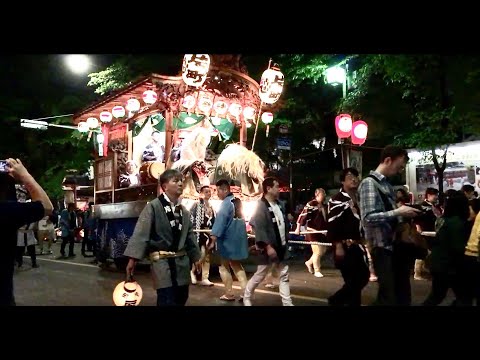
160 122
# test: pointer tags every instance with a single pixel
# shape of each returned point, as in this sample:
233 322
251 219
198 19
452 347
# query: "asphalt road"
77 282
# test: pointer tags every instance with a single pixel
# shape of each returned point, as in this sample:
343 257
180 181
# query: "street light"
337 75
79 64
38 124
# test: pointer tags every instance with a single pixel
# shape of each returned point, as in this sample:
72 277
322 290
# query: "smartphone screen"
3 166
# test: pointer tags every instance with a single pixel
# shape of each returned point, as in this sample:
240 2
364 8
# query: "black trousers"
441 282
31 252
70 239
393 269
470 279
172 296
355 275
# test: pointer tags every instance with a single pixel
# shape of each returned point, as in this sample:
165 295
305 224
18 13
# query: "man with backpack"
380 216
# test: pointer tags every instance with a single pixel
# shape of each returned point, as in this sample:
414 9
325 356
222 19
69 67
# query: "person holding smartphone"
13 215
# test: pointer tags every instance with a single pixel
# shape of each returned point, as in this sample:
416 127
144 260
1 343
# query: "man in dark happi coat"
344 233
164 232
270 224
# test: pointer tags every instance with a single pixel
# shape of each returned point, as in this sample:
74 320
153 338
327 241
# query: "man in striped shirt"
379 216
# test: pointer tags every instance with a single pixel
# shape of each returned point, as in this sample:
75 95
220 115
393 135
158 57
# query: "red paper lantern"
359 132
343 125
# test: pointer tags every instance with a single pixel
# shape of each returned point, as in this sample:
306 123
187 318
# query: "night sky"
29 78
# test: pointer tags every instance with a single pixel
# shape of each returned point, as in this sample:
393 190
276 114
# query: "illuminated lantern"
188 102
249 112
195 69
133 105
267 118
105 116
149 97
205 104
220 107
359 132
271 85
92 122
235 110
343 125
83 127
118 112
127 294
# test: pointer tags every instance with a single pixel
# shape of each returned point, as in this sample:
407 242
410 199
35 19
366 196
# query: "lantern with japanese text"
343 125
220 107
267 118
149 97
105 116
271 85
127 293
118 112
195 69
188 102
205 104
133 105
359 132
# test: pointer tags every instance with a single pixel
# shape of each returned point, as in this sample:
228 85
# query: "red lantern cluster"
345 128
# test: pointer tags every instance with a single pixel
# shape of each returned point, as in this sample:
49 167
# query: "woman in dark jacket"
448 249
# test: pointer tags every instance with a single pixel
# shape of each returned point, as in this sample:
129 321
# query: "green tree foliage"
418 101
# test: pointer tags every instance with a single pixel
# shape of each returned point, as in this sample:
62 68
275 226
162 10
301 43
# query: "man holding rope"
344 233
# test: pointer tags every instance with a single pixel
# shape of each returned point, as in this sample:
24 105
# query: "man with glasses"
344 231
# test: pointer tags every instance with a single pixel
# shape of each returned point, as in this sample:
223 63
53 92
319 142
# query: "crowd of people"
375 233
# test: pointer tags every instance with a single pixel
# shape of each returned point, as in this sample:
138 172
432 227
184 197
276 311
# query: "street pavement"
78 282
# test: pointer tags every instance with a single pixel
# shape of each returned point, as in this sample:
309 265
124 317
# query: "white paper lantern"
249 112
133 105
118 112
271 85
235 109
83 127
220 107
188 102
92 122
267 118
149 97
195 69
205 104
127 294
105 116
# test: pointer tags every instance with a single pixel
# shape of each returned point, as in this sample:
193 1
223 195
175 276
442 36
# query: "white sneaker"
193 277
270 286
373 278
420 278
206 282
318 274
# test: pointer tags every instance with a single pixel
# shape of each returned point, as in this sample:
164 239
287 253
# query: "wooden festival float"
160 122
